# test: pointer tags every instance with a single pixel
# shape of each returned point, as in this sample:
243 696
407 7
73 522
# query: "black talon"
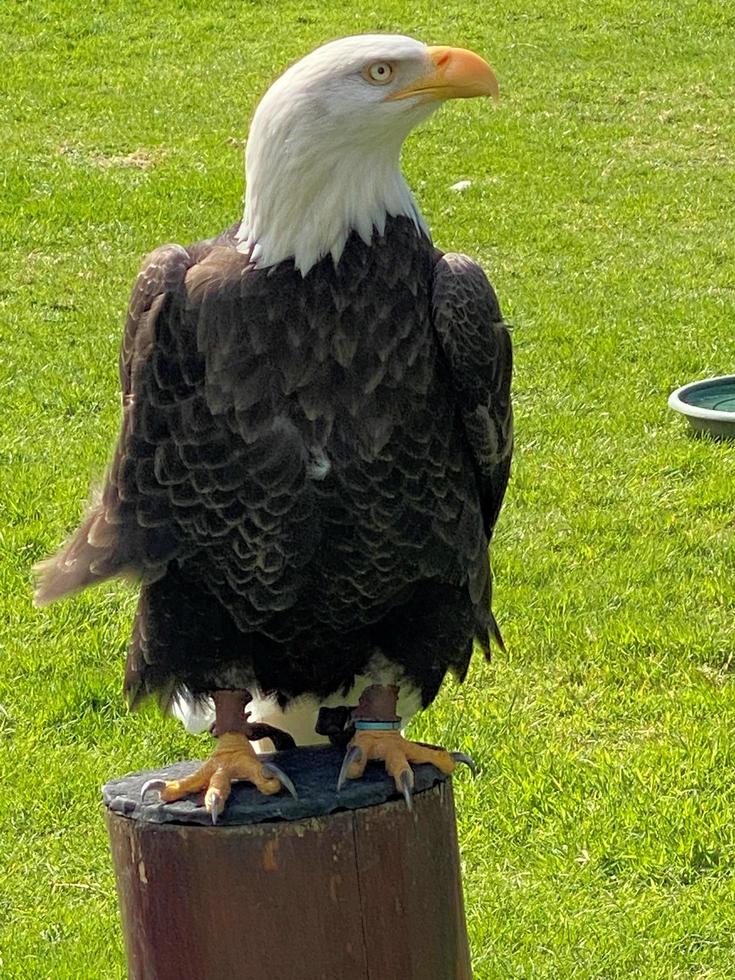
281 740
407 784
466 759
272 770
152 785
353 754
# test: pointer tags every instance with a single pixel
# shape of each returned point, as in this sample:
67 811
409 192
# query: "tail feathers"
90 556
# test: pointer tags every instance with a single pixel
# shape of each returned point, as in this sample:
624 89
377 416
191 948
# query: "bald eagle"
316 439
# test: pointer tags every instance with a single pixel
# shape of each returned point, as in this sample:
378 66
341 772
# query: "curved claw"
407 784
466 760
151 786
273 771
281 740
353 754
214 804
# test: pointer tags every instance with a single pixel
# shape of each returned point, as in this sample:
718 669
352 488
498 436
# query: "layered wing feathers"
111 541
477 347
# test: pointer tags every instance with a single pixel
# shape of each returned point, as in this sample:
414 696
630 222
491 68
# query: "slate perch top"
314 771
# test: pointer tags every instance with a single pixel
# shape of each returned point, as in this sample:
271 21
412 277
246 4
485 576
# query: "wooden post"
369 893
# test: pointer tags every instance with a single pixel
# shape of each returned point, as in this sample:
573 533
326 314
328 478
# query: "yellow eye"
379 73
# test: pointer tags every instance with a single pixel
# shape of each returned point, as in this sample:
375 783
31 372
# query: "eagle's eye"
379 73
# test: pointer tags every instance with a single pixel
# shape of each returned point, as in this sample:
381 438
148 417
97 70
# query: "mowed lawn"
599 841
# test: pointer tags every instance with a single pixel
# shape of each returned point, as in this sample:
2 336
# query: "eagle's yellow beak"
455 73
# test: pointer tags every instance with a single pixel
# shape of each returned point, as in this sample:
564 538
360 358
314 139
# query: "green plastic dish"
709 405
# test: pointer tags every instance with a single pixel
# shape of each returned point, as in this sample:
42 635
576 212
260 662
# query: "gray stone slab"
314 771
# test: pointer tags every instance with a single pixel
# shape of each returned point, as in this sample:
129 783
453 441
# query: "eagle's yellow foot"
234 759
398 753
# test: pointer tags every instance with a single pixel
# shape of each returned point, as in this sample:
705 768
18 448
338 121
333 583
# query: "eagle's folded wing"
477 347
109 542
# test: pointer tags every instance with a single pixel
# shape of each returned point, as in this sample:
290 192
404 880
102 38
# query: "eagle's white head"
323 152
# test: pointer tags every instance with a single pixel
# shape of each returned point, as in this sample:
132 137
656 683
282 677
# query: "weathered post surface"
348 886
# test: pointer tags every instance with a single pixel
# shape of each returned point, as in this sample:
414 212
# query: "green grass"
599 841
